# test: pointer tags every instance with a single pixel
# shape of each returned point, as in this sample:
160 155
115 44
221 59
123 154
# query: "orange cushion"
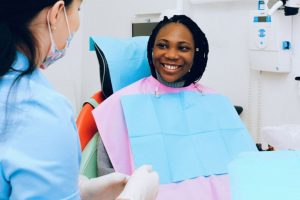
85 122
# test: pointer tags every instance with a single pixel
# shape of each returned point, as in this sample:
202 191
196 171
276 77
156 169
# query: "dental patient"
185 130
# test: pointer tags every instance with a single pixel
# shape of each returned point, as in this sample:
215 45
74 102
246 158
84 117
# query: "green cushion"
88 165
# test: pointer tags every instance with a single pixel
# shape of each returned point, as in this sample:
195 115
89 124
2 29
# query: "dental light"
291 7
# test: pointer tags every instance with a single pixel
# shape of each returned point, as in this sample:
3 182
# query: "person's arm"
43 153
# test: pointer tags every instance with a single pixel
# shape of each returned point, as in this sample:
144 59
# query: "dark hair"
201 44
15 16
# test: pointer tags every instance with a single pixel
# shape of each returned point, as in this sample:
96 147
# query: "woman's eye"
184 48
161 46
79 9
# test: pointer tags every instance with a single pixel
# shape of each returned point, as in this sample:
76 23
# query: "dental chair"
88 133
85 121
87 129
88 136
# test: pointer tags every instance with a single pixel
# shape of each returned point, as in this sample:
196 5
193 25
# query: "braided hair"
201 47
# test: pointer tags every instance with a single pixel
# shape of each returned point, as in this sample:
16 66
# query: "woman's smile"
173 52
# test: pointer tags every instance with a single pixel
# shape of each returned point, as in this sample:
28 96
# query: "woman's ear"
54 13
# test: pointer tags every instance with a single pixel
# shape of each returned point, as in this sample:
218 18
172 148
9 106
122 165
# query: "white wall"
226 26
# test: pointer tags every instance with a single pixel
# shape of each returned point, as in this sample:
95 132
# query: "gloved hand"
142 185
106 187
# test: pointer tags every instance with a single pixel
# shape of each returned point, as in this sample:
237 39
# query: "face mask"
54 54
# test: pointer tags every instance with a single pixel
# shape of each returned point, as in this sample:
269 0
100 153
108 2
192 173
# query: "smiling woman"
173 52
177 51
186 131
181 127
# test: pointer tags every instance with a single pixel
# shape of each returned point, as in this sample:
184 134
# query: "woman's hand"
142 185
106 187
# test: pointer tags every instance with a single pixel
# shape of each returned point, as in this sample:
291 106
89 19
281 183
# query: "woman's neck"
176 84
39 28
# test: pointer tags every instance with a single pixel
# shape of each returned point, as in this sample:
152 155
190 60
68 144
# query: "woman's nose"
172 54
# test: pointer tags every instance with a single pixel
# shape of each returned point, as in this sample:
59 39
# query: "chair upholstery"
88 136
121 61
88 165
85 122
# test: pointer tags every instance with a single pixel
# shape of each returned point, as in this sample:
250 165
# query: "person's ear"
54 13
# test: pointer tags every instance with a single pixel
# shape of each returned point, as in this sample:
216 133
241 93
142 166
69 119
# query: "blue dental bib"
184 135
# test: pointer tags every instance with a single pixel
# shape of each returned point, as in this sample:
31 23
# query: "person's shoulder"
43 118
33 95
37 104
44 94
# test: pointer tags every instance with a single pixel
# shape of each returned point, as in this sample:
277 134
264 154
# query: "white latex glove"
106 187
142 185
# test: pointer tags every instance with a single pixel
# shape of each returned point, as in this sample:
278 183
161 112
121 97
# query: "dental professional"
39 145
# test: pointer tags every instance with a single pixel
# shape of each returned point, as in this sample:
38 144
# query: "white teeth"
172 67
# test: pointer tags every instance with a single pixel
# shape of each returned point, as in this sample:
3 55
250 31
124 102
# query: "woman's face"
173 52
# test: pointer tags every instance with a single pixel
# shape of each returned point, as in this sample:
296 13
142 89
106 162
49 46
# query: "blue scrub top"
39 145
